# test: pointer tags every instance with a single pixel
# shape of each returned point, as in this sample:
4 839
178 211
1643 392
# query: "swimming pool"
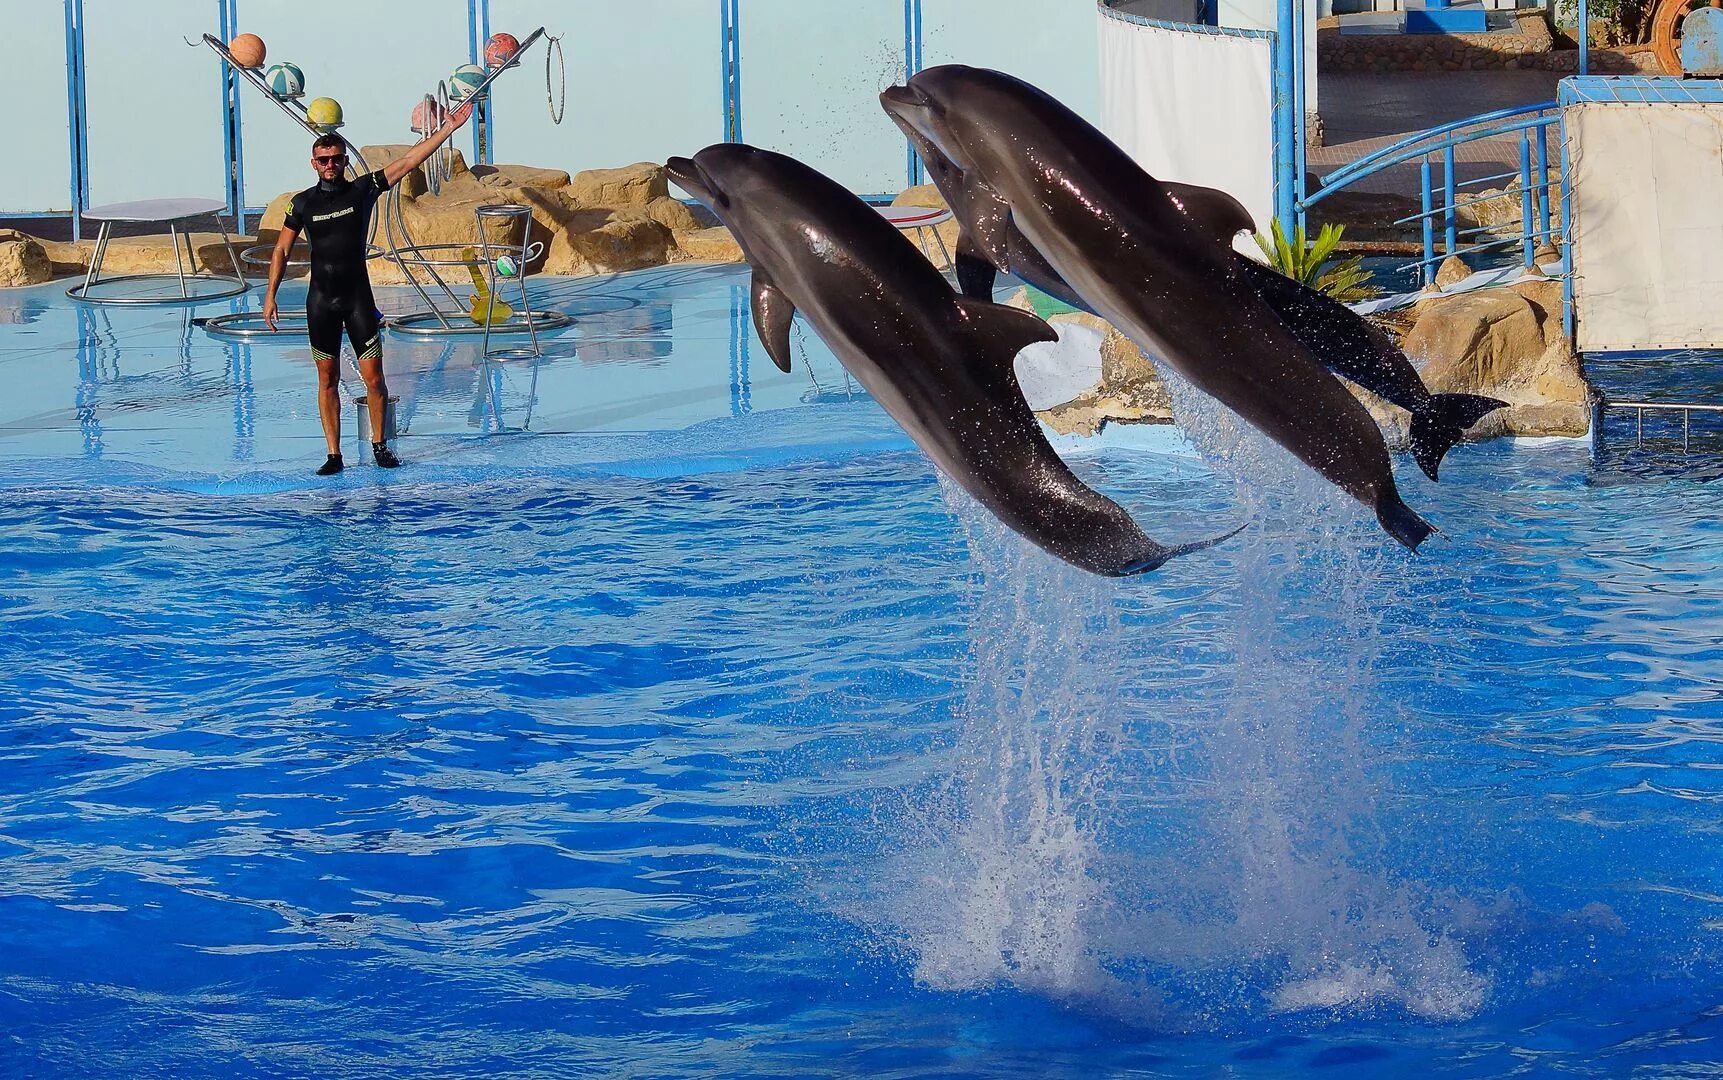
707 735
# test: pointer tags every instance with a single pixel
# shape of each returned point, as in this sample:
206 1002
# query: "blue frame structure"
1289 75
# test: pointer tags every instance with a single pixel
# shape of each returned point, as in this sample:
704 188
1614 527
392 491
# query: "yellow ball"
324 113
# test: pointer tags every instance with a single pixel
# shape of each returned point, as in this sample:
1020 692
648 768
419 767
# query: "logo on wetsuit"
335 214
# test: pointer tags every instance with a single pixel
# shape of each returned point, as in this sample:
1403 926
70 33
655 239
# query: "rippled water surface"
746 749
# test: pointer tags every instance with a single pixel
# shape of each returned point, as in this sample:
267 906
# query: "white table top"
909 217
155 210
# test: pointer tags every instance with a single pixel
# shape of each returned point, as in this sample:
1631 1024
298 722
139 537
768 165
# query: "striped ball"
465 80
285 80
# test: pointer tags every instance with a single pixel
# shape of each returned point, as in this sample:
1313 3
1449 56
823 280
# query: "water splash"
1173 812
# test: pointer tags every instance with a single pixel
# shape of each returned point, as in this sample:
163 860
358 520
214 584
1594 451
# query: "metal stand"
171 212
401 250
514 220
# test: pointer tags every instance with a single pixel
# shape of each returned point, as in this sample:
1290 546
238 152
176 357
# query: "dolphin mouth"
685 173
908 105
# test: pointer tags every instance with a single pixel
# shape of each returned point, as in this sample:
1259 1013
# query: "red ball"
500 49
247 51
428 116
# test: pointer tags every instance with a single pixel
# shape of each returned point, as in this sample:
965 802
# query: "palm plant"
1312 262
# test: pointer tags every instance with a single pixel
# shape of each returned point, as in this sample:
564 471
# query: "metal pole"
1526 222
1584 38
1450 218
1300 112
1285 153
1429 223
1543 182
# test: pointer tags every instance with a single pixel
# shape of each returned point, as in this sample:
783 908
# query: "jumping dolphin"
1114 235
940 364
1339 338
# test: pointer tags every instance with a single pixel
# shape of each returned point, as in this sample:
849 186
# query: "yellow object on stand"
485 307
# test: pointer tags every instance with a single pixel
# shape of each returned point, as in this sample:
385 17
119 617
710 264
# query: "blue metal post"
1584 38
1285 152
1568 270
1429 222
730 23
472 58
234 137
1450 218
1527 223
1301 109
911 65
1543 183
75 114
483 39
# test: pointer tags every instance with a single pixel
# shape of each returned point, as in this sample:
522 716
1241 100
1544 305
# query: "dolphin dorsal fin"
773 313
1004 331
1211 210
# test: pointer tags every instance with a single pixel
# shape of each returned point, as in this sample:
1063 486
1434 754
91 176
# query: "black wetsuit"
335 217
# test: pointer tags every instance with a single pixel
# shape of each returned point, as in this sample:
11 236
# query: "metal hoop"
560 102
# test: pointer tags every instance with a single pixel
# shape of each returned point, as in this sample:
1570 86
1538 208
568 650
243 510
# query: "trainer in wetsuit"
335 216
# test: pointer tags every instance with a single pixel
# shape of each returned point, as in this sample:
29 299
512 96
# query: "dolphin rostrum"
1339 338
1114 235
940 364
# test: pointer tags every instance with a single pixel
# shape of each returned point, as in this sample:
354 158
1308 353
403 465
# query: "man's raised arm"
412 159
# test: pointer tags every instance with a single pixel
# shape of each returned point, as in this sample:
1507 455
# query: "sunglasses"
338 159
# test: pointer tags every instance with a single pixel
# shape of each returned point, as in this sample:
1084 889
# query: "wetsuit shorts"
335 217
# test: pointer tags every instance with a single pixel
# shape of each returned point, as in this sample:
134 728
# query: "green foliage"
1312 262
1613 22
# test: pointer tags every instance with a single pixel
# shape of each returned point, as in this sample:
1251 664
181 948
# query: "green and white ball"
507 267
465 80
285 81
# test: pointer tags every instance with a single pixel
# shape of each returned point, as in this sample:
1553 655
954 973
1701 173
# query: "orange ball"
247 50
500 49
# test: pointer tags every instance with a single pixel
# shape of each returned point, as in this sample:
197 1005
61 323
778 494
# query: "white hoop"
560 102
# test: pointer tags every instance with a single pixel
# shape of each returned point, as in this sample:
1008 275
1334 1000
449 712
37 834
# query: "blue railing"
1443 195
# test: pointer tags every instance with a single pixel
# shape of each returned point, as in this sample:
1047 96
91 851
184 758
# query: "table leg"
94 273
943 250
233 259
179 263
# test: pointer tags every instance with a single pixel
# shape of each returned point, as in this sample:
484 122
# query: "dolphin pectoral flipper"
990 222
1004 331
1211 210
773 313
975 275
1442 422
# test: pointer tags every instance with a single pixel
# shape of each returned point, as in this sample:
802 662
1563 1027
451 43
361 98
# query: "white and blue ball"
465 80
285 81
507 266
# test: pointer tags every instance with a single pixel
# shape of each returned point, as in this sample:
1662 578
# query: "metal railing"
1685 408
1443 195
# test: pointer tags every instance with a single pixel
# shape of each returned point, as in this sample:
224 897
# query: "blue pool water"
700 732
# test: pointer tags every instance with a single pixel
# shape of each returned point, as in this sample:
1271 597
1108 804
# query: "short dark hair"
329 142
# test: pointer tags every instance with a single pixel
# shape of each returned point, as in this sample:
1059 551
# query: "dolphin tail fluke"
1162 555
1442 422
1401 521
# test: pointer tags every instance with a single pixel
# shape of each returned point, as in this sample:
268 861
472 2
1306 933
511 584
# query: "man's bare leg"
329 410
377 402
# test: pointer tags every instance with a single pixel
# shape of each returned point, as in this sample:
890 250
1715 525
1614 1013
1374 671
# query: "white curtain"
1192 106
1646 184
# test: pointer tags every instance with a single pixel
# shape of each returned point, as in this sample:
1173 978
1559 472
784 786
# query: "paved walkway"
1364 112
